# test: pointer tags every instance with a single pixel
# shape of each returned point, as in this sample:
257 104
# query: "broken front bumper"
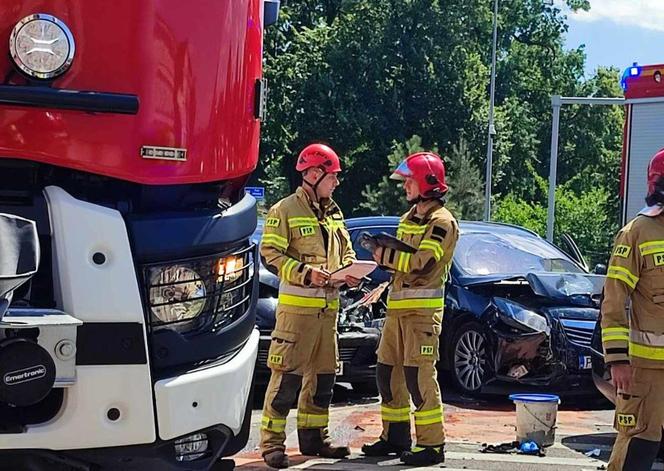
557 361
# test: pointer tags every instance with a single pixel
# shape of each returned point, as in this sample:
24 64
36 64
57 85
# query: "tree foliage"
367 76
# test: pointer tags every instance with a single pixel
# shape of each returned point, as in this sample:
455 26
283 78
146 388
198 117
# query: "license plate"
340 368
585 362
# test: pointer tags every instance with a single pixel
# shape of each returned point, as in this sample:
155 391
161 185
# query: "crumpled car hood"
578 289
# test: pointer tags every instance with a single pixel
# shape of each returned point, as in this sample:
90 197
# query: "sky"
618 32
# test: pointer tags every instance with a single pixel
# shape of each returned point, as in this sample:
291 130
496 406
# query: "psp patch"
276 359
627 420
426 350
659 259
622 251
272 222
307 231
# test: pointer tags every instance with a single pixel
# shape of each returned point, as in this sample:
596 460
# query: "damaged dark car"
518 311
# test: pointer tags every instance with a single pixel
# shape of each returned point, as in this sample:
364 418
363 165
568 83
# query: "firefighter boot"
332 451
314 442
423 456
382 448
276 459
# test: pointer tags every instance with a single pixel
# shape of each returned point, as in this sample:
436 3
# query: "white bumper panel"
94 293
208 397
83 289
83 421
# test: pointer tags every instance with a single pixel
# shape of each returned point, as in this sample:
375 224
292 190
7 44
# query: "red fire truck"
643 132
128 130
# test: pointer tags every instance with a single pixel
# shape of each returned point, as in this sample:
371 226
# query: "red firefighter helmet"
318 155
655 172
427 169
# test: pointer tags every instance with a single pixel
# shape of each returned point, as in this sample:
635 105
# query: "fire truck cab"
643 137
128 130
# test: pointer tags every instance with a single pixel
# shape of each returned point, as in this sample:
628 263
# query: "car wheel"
469 358
368 387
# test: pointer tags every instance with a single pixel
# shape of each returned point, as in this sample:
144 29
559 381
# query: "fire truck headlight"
42 46
177 293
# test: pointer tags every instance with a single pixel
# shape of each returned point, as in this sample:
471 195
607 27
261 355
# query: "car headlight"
42 46
523 315
177 293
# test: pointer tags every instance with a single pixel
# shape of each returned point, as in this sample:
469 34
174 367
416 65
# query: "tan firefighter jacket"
419 278
298 235
636 274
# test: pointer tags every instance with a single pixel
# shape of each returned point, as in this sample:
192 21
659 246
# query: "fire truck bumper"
202 416
208 396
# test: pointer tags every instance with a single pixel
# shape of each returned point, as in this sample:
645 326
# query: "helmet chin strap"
420 199
414 200
314 187
657 196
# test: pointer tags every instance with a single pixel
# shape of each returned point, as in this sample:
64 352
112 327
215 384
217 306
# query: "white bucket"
536 418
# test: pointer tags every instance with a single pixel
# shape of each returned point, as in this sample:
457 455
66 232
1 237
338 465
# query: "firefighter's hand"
621 376
319 277
352 282
378 253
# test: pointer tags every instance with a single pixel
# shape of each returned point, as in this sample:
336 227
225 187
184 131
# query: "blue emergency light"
633 71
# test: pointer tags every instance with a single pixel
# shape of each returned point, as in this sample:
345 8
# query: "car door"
569 246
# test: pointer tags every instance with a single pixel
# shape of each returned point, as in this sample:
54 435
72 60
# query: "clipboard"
357 269
385 240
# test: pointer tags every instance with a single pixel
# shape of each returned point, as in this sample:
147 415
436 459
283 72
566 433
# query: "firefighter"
304 240
408 348
634 343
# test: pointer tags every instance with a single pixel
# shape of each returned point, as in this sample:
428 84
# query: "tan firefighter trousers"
407 357
303 353
639 420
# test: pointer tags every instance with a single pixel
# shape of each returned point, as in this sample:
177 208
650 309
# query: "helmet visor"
402 172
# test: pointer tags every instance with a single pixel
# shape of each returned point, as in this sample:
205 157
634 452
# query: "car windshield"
486 253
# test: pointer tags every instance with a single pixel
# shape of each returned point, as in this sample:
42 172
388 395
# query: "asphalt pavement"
584 435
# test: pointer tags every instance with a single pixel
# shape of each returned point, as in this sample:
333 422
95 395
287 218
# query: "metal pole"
556 103
491 131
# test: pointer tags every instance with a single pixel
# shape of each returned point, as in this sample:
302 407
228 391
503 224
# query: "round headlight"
177 293
42 46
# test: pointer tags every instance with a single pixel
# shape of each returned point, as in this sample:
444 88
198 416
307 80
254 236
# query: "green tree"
363 75
466 196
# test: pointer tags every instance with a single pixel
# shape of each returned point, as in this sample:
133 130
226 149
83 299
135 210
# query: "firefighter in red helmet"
304 240
634 344
409 343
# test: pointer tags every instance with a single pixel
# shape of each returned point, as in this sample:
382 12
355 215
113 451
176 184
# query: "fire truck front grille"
202 294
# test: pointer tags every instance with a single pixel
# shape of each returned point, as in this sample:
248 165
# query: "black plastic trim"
46 97
158 237
110 343
157 456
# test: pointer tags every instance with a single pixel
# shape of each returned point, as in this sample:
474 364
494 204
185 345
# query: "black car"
358 333
519 311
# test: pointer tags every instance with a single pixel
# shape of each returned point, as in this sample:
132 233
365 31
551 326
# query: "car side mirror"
600 269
